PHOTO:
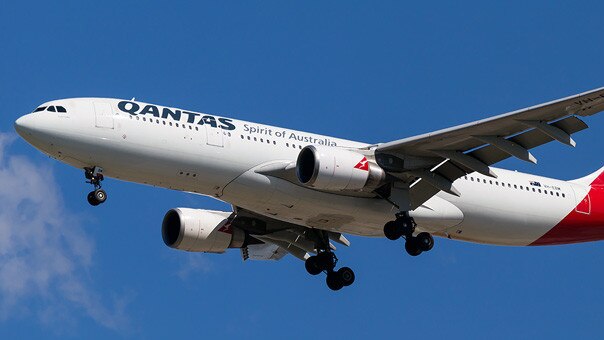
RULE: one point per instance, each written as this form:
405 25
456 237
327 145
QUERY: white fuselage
143 146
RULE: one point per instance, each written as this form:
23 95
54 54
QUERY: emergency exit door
103 115
214 135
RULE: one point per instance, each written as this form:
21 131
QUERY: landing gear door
215 136
103 115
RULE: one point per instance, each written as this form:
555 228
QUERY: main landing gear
325 261
94 176
404 226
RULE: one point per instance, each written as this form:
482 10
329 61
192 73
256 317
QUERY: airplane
299 193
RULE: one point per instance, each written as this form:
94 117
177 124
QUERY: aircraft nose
25 125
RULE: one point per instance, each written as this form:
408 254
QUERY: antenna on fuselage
133 99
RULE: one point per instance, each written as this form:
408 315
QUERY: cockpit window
51 109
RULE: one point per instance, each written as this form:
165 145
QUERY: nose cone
25 126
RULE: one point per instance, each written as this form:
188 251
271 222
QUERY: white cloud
45 255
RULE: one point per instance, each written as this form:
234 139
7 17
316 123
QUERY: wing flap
264 251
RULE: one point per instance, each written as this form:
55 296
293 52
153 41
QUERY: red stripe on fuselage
578 226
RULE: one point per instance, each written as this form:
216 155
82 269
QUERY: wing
277 238
431 162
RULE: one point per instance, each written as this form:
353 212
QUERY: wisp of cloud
45 254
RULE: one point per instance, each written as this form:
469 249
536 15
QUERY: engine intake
334 169
199 230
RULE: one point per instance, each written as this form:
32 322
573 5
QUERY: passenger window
61 109
515 186
52 109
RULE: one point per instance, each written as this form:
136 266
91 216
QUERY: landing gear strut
94 176
404 226
325 261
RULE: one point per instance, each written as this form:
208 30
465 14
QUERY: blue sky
367 71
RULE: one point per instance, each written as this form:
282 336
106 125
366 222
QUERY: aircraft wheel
100 195
393 230
346 276
412 246
334 281
425 241
92 199
312 265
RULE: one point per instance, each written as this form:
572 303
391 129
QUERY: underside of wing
278 238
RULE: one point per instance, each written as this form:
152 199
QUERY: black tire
325 260
91 199
412 246
334 282
425 241
392 230
100 195
346 276
312 266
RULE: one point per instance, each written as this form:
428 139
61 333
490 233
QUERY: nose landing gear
404 226
95 176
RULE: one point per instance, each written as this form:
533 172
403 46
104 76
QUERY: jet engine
199 230
334 169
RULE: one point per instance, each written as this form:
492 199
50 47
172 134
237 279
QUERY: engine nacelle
333 169
200 231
